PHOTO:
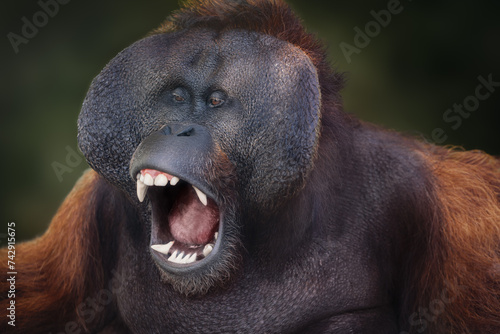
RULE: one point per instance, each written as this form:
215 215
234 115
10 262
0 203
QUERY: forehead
233 60
198 47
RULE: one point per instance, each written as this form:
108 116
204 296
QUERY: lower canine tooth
142 189
208 249
163 248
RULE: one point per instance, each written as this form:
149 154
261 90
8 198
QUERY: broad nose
178 130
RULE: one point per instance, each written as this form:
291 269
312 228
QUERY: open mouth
185 223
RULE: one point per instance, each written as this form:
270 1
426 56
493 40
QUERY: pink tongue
191 222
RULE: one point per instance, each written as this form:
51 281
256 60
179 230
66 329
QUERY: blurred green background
426 59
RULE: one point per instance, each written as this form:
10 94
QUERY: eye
177 97
216 99
214 102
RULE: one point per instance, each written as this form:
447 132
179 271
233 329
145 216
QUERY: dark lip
160 258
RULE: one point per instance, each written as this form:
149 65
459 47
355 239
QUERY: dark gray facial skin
295 252
271 95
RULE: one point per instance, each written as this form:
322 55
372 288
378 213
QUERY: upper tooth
138 176
163 248
148 180
142 178
208 249
174 180
161 180
201 195
141 190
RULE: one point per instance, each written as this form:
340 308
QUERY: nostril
186 132
167 130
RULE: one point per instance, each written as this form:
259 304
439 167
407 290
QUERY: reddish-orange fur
464 251
461 266
458 257
57 271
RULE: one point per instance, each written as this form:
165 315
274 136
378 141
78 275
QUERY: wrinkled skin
272 255
230 193
197 66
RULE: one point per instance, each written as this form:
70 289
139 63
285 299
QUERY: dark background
427 58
